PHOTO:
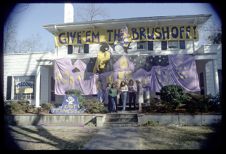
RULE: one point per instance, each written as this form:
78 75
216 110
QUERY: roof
110 23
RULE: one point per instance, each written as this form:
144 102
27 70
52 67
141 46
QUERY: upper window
141 45
145 45
69 49
182 44
172 44
164 45
150 45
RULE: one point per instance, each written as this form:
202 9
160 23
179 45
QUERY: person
140 97
100 91
123 90
107 99
113 98
132 89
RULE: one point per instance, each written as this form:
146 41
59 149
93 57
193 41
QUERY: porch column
37 87
216 79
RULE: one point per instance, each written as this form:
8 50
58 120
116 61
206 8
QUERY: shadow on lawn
42 132
214 140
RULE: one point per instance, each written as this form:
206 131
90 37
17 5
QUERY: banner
180 71
127 34
25 87
174 70
66 78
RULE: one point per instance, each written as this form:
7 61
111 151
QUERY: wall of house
26 65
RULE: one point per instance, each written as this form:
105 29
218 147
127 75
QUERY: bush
174 95
23 106
46 107
214 103
90 105
197 103
93 106
202 103
16 107
76 93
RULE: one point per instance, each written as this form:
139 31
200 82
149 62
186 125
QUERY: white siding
210 78
45 84
22 64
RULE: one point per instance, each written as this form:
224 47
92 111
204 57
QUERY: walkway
143 138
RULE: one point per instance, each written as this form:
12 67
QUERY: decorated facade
158 51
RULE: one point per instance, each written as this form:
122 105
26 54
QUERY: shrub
76 93
46 107
158 106
174 95
90 105
197 103
93 106
16 107
214 103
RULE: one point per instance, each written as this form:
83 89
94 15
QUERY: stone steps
121 120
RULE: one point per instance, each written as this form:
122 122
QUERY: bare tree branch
91 12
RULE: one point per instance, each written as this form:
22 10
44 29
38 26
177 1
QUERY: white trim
216 79
37 87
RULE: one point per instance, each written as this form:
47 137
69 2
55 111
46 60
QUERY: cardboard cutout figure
103 58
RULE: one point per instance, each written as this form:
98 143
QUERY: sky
29 18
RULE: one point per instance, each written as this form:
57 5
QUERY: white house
35 70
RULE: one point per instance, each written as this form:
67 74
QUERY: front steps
121 120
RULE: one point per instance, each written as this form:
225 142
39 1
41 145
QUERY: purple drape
180 71
66 78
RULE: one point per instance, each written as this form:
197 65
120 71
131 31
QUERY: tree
215 38
91 12
9 39
10 43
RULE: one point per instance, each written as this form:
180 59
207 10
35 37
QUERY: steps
121 120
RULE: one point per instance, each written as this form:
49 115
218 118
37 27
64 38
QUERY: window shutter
9 87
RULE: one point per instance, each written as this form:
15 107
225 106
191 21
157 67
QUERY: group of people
131 91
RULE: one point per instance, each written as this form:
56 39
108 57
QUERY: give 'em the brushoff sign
134 34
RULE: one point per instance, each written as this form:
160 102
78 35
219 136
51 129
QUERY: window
150 45
140 45
86 48
182 44
24 87
172 44
69 49
164 45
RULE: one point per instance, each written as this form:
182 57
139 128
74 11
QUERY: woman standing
113 98
123 90
140 97
132 94
107 99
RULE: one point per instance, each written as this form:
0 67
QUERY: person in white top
123 90
140 97
132 93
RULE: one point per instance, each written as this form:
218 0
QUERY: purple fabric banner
80 65
184 72
123 64
67 79
180 71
